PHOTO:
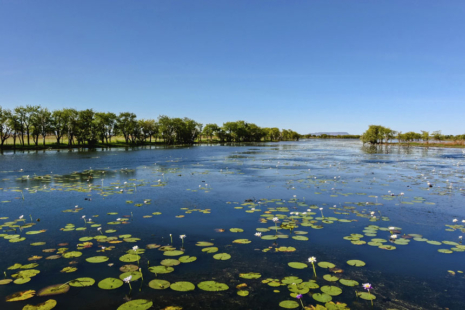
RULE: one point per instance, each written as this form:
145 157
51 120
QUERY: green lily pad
348 282
173 253
170 262
23 295
243 293
187 259
326 265
236 230
289 304
269 237
5 281
182 286
203 243
331 290
210 249
72 254
128 258
356 263
445 251
21 280
97 259
330 278
242 241
366 295
135 275
82 282
54 290
222 256
110 284
322 297
301 238
298 289
250 275
136 304
47 305
291 279
29 266
68 269
161 269
297 265
159 284
212 286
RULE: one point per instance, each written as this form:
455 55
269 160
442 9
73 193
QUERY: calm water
207 186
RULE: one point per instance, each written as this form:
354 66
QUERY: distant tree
210 130
5 125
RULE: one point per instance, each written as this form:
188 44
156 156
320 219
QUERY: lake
81 214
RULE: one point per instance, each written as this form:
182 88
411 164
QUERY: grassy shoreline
421 144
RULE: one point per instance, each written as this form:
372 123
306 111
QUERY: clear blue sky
304 65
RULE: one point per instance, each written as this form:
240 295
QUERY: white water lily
21 216
100 228
275 219
454 220
182 236
392 228
128 279
321 209
135 248
393 236
258 234
312 259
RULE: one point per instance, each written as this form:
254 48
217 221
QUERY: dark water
341 177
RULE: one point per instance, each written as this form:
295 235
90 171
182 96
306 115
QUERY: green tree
5 125
127 124
210 130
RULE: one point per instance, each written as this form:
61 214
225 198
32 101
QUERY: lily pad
82 282
182 286
326 265
321 297
128 258
135 275
210 249
23 295
159 284
250 275
136 304
243 293
297 265
128 268
54 290
242 241
110 284
49 304
347 282
161 269
366 295
356 263
187 259
236 230
173 253
97 259
330 278
203 243
170 262
289 304
222 256
331 290
212 286
72 254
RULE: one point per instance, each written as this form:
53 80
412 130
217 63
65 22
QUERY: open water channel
99 215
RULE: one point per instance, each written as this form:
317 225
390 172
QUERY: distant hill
330 133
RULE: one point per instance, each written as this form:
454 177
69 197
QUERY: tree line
377 134
32 124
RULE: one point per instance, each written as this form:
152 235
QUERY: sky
309 66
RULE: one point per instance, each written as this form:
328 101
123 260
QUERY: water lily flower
275 219
83 216
135 248
21 216
128 279
182 236
299 296
312 259
392 228
367 286
258 234
393 236
454 220
321 209
100 228
460 237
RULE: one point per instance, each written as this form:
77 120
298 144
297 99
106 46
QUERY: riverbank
422 144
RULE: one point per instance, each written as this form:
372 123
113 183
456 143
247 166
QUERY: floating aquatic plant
313 261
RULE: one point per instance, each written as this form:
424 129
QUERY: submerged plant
313 261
